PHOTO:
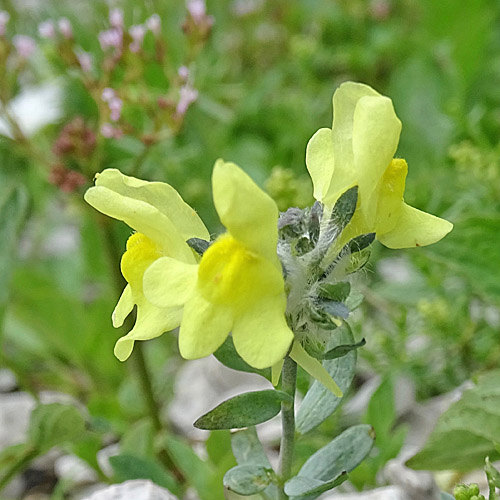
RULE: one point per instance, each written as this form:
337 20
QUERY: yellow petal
345 101
415 228
169 282
314 368
123 307
375 137
390 195
204 327
261 335
151 322
249 214
160 195
142 217
319 161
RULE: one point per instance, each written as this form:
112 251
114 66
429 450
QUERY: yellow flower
237 286
163 222
358 151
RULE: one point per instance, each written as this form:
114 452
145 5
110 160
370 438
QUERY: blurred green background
265 77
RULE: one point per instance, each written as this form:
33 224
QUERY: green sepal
344 209
359 243
244 410
342 350
358 260
199 245
305 488
248 479
333 308
335 291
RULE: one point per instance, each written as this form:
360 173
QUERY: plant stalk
288 385
29 455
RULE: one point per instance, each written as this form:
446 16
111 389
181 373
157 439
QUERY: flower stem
29 455
288 385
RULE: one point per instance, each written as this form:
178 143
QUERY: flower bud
154 24
188 95
25 45
65 28
137 33
85 61
4 20
46 29
116 18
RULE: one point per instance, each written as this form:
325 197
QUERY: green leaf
244 410
138 440
335 291
492 474
199 473
381 411
55 424
132 467
466 432
300 486
343 454
319 403
341 350
248 479
227 355
247 448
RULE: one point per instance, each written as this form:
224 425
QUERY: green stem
114 254
288 385
29 455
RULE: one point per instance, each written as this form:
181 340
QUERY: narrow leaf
248 479
128 467
247 448
244 410
228 356
466 432
319 403
341 350
302 486
55 424
343 454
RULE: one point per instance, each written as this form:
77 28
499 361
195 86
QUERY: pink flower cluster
47 29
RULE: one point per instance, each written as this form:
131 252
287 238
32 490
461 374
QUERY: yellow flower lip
232 275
